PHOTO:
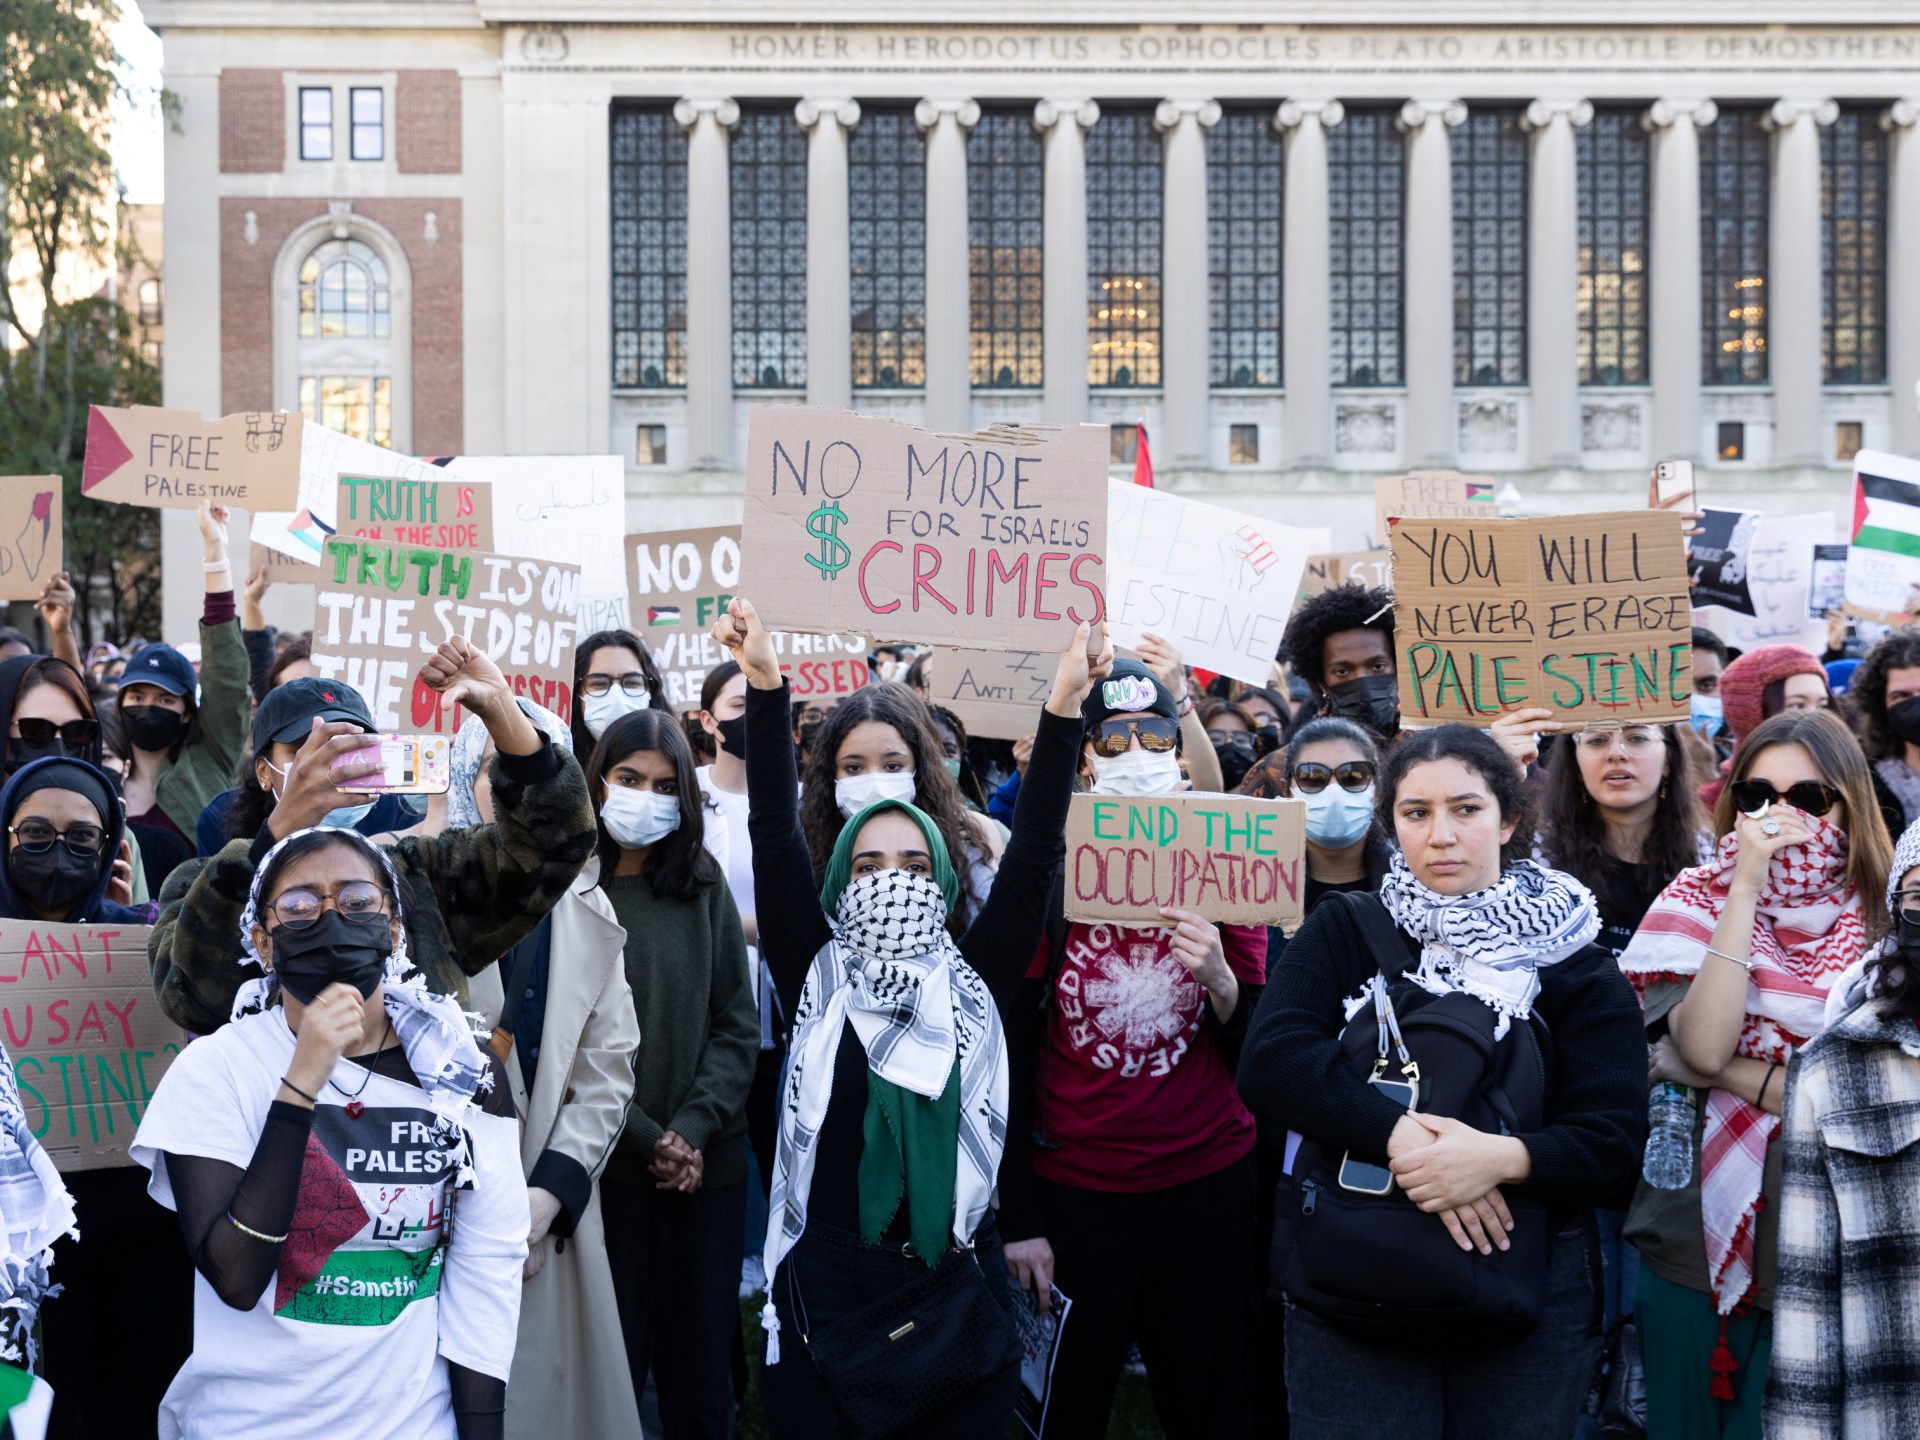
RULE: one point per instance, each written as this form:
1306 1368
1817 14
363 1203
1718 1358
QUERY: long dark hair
1480 753
678 866
1868 690
1573 833
583 660
885 703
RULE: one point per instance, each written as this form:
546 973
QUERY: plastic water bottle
1669 1162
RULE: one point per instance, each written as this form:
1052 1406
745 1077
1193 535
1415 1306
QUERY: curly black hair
1868 690
1351 606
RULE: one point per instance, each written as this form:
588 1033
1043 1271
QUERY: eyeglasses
357 900
1310 777
1113 737
1638 739
1808 795
1907 904
633 682
78 734
36 837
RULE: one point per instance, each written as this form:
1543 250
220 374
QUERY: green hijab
912 1144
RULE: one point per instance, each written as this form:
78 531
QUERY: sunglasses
1310 777
37 836
1808 795
78 734
1112 737
358 900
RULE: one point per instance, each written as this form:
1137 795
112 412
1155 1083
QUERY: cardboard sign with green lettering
1586 615
453 514
87 1038
1231 858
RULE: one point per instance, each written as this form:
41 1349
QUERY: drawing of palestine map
367 1232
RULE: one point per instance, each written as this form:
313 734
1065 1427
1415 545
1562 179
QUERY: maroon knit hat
1744 682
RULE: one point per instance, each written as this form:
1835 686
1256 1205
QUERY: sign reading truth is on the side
453 514
1230 858
174 459
88 1041
996 541
1587 615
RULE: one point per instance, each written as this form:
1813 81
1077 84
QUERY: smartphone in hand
411 765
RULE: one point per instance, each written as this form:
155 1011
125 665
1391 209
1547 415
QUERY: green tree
64 351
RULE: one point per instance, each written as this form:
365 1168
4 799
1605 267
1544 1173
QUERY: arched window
341 331
343 293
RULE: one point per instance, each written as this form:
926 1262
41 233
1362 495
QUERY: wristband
1760 1100
212 566
1743 964
1185 707
311 1099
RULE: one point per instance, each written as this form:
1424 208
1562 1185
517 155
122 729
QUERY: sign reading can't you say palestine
88 1041
996 540
1230 858
1587 615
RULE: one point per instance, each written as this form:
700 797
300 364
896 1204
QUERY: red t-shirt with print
1131 1086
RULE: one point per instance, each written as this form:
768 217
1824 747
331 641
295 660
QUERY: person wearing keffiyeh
894 1113
1733 964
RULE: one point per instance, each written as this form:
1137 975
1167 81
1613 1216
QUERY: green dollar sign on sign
824 525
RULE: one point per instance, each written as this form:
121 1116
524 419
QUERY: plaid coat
1846 1320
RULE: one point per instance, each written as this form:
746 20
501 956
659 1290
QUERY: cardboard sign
1588 615
1778 574
1432 495
1369 567
87 1037
998 694
1883 561
325 455
1826 580
1230 858
383 609
174 459
32 536
680 581
282 568
447 512
1718 556
993 541
819 667
1217 583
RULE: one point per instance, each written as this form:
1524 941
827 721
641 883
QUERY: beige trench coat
570 1378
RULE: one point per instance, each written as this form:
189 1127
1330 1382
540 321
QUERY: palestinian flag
663 615
1886 514
1480 491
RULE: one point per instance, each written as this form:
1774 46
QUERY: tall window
150 301
360 406
1853 215
1611 298
649 249
1006 194
1490 249
368 114
1366 191
1244 203
1736 161
1123 250
887 198
769 161
316 123
343 293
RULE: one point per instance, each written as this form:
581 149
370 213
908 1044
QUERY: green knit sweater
699 1028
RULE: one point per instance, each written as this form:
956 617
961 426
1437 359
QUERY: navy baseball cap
288 712
164 666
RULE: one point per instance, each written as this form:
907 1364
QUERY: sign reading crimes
1587 615
995 541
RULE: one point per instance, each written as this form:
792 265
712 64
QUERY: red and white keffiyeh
1808 929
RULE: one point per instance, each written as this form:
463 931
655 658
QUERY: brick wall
246 306
253 121
427 125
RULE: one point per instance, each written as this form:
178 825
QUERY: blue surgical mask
1706 714
346 817
1336 818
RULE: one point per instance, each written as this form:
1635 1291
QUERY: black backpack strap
1383 937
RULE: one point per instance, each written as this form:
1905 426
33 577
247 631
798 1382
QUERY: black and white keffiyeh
894 973
35 1210
1491 943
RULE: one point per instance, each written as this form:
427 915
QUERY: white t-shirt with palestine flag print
371 1297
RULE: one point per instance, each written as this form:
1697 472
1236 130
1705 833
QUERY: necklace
355 1106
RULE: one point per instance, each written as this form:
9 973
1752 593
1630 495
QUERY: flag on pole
1142 457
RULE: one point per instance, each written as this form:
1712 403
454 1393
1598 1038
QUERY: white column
829 255
1793 281
1553 281
1673 282
1902 122
1064 287
1306 309
709 281
949 282
1183 277
1427 305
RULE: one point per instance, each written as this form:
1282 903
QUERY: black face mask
1236 758
733 736
1372 701
25 752
1267 739
354 952
152 727
54 878
809 732
1903 721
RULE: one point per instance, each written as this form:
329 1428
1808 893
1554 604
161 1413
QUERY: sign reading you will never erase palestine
1587 615
865 526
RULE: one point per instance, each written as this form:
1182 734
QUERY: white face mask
639 818
1136 772
853 793
600 711
1336 818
